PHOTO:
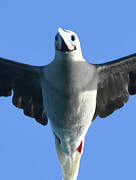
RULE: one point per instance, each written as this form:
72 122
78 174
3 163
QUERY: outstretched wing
116 81
25 82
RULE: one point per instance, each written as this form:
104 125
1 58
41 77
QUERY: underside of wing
117 80
25 83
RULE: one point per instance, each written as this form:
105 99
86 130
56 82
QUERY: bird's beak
66 44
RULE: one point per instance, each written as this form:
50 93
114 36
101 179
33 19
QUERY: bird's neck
66 73
70 56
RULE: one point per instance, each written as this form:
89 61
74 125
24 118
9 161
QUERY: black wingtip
42 121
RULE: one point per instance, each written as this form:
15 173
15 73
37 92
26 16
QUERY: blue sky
107 30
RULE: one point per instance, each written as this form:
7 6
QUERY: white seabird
70 92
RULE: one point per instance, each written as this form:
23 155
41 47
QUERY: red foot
79 149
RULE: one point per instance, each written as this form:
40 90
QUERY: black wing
25 81
116 81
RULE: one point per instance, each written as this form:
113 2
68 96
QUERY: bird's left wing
116 81
25 81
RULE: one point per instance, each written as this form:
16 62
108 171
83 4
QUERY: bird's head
67 43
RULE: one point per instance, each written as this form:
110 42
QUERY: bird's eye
73 38
56 38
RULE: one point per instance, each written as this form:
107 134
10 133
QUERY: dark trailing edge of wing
24 80
116 81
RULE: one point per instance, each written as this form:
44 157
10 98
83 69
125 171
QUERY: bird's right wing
116 81
25 82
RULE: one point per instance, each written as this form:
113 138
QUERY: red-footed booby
70 92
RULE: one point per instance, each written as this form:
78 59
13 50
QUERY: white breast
70 99
76 119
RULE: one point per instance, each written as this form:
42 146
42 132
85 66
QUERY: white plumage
70 92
